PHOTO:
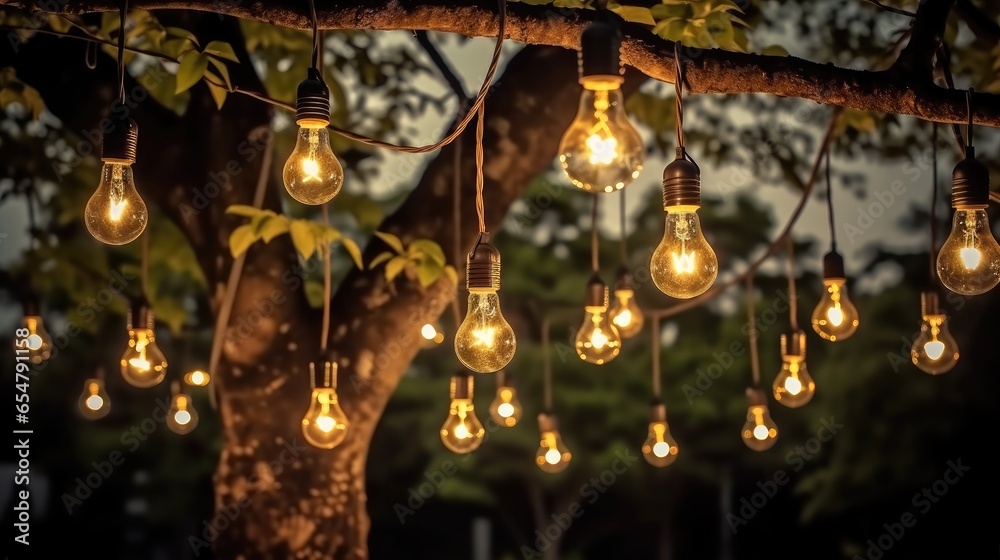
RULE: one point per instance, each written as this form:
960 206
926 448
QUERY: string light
115 213
197 378
484 342
430 335
597 339
934 351
552 455
182 418
601 151
506 407
94 403
835 317
759 432
683 265
625 313
969 261
143 364
793 386
660 448
324 424
462 432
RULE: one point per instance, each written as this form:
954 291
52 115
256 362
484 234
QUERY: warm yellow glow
683 265
835 318
793 385
484 341
94 402
623 318
597 341
601 151
506 407
552 455
182 417
506 410
428 331
759 432
143 364
660 449
197 378
116 214
934 349
969 261
324 424
625 313
38 340
312 174
462 432
970 257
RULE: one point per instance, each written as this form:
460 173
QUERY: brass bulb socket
31 305
793 345
930 303
547 422
970 183
312 103
483 267
461 385
681 182
658 412
323 376
597 292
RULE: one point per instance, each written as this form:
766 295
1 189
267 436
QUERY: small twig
442 65
898 11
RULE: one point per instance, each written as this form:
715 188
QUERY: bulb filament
309 165
118 202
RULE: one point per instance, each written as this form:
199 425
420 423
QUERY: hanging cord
315 29
456 219
752 326
793 307
595 263
144 265
623 241
829 205
655 325
547 363
327 287
29 199
678 92
480 208
934 202
968 108
121 51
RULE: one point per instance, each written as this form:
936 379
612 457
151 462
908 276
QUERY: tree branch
917 58
710 70
897 11
979 23
442 65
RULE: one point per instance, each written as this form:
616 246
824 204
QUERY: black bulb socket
482 267
119 143
970 183
600 56
833 266
312 105
681 182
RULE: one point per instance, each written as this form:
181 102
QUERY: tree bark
707 70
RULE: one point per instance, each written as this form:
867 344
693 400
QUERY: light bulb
660 449
182 418
143 365
462 432
759 432
197 378
624 311
37 342
597 340
484 341
969 260
312 174
601 151
116 214
430 336
835 317
506 407
793 386
683 265
552 455
324 424
934 351
94 402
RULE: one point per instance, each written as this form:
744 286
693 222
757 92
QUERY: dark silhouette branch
442 65
710 70
979 23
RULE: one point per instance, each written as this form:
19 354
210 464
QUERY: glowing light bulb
312 174
116 214
197 378
624 311
601 151
324 424
484 341
552 455
430 336
597 340
94 403
835 317
969 260
182 418
660 449
934 350
462 432
759 432
793 386
506 407
143 365
36 340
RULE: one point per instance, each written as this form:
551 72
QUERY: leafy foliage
308 236
422 260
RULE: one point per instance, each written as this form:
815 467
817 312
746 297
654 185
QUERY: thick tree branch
917 58
710 70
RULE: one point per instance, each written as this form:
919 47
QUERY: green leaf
221 49
353 250
392 241
244 210
774 50
190 71
218 94
635 14
241 239
260 220
223 71
394 267
303 237
180 33
273 228
430 249
379 259
428 272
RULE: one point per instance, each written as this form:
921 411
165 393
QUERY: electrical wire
829 205
480 207
678 94
595 263
623 240
968 108
752 326
655 326
121 51
315 30
547 365
327 287
793 307
144 264
932 253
